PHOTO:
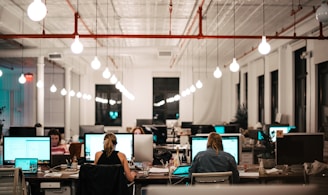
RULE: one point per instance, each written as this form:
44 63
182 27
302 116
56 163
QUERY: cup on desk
145 168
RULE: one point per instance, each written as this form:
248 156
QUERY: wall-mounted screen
93 142
26 147
298 148
231 144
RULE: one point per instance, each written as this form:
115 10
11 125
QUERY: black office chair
103 179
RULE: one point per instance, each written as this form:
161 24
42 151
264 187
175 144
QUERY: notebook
28 165
182 171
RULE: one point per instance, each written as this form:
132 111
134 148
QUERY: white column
68 103
40 96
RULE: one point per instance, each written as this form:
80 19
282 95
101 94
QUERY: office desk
35 181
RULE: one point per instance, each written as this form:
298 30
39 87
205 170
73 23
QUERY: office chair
103 179
212 178
12 181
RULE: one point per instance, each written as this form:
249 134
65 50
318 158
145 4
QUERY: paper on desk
158 170
74 175
248 174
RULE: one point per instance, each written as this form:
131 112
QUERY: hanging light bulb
106 74
22 79
322 12
234 66
217 73
95 64
199 84
1 73
78 94
63 92
192 88
264 47
72 93
39 84
113 79
77 46
53 88
37 10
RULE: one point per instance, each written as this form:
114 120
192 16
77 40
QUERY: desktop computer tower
64 190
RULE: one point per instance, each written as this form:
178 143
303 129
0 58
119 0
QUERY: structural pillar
68 103
40 96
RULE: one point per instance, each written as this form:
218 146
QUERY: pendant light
217 73
77 46
22 78
53 87
234 66
37 10
199 83
264 47
95 64
106 74
322 12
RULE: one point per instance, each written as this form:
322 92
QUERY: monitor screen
273 131
143 148
219 129
93 142
231 144
298 148
22 131
198 129
159 134
90 129
27 147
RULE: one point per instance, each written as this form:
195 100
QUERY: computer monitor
22 131
231 144
219 129
27 147
141 122
298 148
186 124
143 148
90 129
159 134
197 129
93 142
274 129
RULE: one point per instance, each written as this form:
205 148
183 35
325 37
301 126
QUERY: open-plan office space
71 63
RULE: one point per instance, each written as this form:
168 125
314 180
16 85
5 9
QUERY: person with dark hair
56 146
109 156
214 159
138 130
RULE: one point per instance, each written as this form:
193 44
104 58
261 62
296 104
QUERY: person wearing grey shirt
214 159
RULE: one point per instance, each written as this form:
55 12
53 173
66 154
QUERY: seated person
214 159
138 130
56 146
110 156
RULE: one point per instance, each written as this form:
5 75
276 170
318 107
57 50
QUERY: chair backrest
102 179
212 178
12 181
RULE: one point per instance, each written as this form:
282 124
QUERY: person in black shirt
110 156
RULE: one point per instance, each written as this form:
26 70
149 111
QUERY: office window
274 95
322 119
164 88
108 105
261 99
300 90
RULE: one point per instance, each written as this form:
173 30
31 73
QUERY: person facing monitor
56 146
138 130
109 156
214 159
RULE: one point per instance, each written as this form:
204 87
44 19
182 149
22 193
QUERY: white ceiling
131 30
